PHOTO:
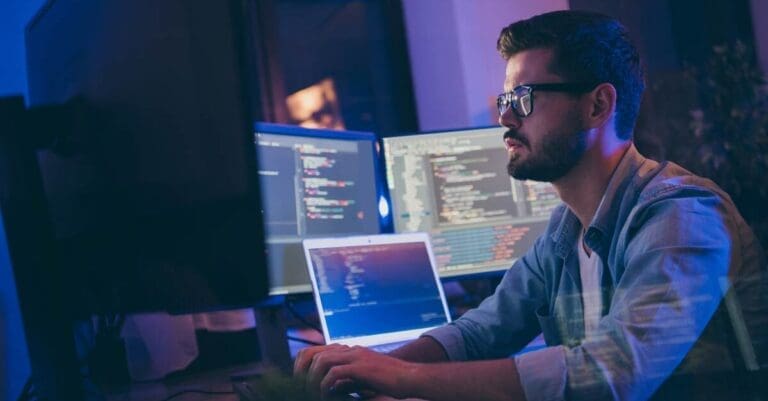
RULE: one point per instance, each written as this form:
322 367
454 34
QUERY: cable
304 340
182 392
289 306
27 392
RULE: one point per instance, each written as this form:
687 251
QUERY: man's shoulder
682 202
672 181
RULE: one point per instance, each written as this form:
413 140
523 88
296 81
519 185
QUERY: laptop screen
376 289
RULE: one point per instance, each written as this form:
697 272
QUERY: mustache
514 135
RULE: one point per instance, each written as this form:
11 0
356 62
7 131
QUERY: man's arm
423 349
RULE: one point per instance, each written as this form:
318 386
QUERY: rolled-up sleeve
450 338
543 374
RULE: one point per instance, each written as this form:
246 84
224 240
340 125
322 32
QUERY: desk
210 381
216 381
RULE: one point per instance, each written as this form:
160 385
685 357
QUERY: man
628 282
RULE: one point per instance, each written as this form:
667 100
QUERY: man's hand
338 368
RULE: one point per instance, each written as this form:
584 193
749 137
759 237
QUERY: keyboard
385 348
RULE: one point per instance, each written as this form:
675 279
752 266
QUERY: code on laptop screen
373 289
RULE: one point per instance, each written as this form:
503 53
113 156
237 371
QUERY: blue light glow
383 207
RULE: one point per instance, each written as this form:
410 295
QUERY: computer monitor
153 196
454 185
316 183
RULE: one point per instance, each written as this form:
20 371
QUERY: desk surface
218 381
213 385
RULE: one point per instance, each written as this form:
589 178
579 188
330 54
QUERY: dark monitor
316 183
454 185
154 197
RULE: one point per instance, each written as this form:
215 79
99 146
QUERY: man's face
548 143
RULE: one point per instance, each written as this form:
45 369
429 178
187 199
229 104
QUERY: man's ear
601 105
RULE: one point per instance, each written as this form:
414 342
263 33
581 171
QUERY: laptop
378 291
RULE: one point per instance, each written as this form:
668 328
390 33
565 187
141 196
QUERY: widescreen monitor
454 185
153 196
315 183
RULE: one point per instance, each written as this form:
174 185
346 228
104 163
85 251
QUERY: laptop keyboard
385 348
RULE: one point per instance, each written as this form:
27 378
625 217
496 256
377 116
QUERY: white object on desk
234 320
157 344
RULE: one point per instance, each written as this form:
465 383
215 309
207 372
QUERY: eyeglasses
520 99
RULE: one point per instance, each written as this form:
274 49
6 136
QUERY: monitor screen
316 183
454 185
153 196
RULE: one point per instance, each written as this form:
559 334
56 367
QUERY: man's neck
583 187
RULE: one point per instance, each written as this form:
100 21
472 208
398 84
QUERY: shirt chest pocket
560 328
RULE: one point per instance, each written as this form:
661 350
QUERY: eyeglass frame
567 87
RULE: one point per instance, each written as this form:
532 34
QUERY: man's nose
509 119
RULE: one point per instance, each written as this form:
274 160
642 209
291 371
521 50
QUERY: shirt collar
603 224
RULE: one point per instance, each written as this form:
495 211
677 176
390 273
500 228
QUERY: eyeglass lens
520 100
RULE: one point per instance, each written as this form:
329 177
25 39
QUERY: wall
14 15
759 16
650 27
456 70
14 363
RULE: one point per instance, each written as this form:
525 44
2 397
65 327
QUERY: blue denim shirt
671 244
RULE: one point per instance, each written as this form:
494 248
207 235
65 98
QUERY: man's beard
558 153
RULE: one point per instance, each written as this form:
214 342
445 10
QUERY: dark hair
588 47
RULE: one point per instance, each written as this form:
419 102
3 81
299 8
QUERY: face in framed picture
316 106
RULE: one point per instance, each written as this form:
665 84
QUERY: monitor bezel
382 193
